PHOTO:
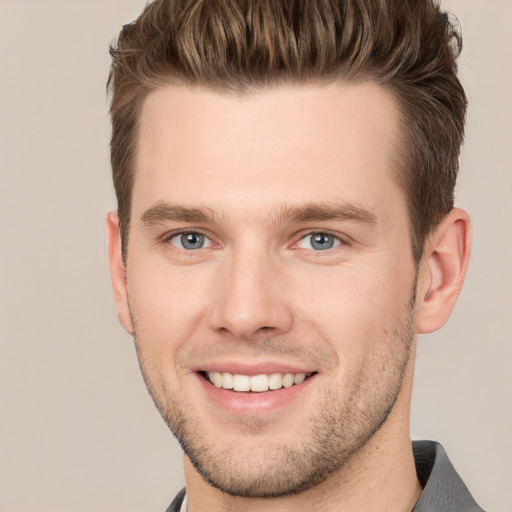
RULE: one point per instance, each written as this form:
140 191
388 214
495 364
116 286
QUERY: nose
252 300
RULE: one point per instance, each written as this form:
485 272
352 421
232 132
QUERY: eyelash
169 236
339 240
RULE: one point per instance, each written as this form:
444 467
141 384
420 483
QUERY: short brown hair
407 46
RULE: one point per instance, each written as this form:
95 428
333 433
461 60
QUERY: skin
257 175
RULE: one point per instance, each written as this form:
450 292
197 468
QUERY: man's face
269 244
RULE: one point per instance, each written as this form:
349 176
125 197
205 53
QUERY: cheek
166 306
355 309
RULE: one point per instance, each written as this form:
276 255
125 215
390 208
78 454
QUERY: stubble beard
331 435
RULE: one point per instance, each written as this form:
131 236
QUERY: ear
118 271
442 271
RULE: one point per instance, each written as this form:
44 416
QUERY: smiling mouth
255 383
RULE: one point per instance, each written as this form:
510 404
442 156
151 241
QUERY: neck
380 476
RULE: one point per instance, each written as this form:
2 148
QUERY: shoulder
175 506
443 489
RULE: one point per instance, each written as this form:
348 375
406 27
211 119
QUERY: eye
190 241
319 241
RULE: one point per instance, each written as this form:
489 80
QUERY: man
285 228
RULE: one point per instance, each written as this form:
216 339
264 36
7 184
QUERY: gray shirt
443 489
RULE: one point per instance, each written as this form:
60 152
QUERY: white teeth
259 383
217 379
227 380
275 381
300 377
256 383
288 380
241 383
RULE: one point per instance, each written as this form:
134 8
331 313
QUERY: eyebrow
326 212
165 212
310 212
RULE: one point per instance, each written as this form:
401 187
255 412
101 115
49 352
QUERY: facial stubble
330 436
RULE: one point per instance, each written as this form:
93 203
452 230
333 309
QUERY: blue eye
319 241
191 241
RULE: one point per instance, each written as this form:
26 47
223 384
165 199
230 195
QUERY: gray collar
443 489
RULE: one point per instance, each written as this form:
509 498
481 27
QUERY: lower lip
250 403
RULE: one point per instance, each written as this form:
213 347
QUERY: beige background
77 429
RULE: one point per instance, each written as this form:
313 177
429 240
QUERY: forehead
290 144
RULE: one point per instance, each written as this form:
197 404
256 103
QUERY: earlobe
117 271
442 271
